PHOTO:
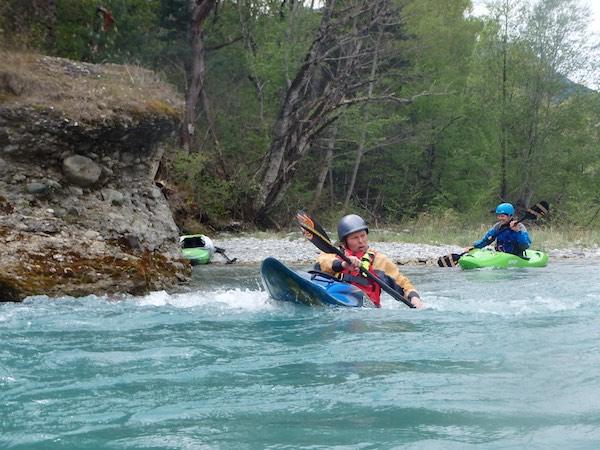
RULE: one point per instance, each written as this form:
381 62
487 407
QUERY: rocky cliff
80 213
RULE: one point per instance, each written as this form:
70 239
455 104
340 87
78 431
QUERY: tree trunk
291 134
331 76
188 135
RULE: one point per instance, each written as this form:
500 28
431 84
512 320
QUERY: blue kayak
311 288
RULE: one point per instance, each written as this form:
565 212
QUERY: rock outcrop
80 213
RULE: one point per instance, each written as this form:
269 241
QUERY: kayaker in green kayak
353 235
510 235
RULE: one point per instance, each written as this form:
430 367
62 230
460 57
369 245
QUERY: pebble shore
251 250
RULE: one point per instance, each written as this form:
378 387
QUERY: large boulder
80 145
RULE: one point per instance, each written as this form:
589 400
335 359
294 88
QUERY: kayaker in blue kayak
353 235
510 235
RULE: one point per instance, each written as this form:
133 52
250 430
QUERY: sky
594 6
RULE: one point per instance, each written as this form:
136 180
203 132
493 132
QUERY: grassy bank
544 237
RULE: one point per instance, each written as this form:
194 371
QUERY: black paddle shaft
221 251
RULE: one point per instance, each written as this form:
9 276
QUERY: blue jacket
507 240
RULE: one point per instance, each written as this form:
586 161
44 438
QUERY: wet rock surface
79 210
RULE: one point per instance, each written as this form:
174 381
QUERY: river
498 359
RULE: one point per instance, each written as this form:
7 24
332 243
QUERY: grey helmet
350 224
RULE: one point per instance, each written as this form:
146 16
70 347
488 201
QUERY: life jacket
506 241
369 287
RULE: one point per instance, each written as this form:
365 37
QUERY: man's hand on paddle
355 263
417 302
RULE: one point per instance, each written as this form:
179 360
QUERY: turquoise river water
500 359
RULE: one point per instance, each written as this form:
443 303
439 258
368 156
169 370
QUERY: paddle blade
221 251
314 225
538 210
448 260
306 224
312 233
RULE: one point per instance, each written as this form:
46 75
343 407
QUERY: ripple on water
498 359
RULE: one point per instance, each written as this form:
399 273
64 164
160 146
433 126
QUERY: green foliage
77 29
216 196
186 167
80 33
430 160
23 25
192 171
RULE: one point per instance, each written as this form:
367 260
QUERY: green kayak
480 258
199 249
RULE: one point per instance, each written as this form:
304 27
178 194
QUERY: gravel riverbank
252 250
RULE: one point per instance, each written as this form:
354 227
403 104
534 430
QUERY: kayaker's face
504 218
358 242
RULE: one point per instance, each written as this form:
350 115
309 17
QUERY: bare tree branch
336 67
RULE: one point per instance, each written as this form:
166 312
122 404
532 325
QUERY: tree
195 92
536 48
334 72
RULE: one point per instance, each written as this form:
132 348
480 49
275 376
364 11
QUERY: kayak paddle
317 235
535 212
221 251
